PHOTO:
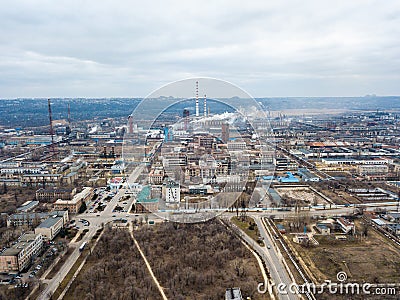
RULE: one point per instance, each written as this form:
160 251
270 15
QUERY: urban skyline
185 150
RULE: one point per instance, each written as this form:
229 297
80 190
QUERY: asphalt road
95 223
273 261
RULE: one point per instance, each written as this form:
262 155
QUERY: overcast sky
129 48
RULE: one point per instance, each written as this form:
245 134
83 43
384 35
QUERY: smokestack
197 98
130 125
52 146
225 132
185 115
112 154
205 105
69 114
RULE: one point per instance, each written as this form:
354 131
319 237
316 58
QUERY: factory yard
356 256
305 195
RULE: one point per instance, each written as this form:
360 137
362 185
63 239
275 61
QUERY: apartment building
74 205
49 195
21 254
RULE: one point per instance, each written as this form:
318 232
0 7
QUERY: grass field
248 228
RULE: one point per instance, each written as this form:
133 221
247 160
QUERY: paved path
147 264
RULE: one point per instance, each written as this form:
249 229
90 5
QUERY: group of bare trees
199 261
115 270
193 261
7 293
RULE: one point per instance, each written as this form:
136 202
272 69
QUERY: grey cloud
127 48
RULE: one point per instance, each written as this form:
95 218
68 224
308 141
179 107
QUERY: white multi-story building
172 192
236 146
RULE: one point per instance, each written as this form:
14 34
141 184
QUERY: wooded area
199 261
114 270
190 261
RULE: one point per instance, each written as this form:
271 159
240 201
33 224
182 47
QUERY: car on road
114 216
97 215
268 246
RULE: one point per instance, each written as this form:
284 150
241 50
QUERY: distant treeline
34 112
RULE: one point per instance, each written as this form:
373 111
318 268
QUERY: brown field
305 195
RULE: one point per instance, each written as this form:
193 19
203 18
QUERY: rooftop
27 206
50 221
394 226
23 216
23 241
54 190
233 294
144 196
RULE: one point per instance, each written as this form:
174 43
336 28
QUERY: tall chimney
197 98
205 105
